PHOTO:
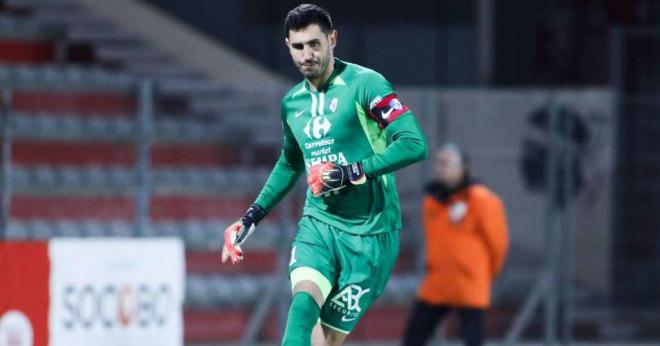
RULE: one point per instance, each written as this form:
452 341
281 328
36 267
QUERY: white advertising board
116 292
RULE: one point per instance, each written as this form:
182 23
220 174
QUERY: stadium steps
108 180
123 207
97 102
108 45
56 76
202 237
156 68
118 126
54 152
118 53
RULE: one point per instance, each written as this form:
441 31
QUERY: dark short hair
305 14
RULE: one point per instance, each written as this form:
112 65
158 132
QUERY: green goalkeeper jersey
355 116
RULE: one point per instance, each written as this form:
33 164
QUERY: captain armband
385 110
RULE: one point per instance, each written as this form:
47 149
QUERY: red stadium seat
55 153
57 207
261 261
226 325
195 154
72 153
122 208
26 51
75 101
214 325
184 207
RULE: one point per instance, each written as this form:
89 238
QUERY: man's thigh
312 257
364 267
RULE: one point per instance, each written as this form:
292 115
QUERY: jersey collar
339 68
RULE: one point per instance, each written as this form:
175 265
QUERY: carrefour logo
317 127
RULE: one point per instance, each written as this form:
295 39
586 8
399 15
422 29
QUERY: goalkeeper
347 129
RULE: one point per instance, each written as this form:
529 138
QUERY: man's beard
316 71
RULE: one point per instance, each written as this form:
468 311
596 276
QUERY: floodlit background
159 118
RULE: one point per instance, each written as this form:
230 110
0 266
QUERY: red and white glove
328 176
239 231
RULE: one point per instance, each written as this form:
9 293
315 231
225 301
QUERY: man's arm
281 180
493 225
285 174
405 141
406 146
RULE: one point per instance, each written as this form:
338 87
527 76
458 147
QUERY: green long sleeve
284 175
406 145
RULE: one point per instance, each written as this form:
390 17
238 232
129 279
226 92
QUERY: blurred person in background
466 244
345 127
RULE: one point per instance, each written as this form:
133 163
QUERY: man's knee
310 288
333 337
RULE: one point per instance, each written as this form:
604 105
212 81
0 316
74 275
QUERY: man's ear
333 38
286 41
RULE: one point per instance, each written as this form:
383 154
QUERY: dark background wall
418 42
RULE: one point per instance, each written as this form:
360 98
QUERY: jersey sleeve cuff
368 169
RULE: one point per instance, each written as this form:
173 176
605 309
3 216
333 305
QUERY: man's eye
297 46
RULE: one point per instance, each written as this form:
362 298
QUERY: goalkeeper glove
239 231
329 176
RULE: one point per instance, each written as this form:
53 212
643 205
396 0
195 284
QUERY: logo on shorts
347 302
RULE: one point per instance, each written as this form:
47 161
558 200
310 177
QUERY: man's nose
307 53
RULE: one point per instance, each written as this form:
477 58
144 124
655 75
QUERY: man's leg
332 337
472 324
422 322
304 314
311 270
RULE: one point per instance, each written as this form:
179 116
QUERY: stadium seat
17 230
44 176
20 177
40 229
99 102
35 50
68 228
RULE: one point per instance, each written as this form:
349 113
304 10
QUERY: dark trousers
425 317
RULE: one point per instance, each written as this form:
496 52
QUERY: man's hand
239 231
328 176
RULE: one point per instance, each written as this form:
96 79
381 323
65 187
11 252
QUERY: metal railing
5 182
553 289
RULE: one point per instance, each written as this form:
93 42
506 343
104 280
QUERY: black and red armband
385 110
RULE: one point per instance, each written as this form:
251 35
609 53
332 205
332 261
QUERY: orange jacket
463 256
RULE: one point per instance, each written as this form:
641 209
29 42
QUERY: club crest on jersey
317 127
333 104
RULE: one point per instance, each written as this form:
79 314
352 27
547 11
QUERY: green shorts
351 270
